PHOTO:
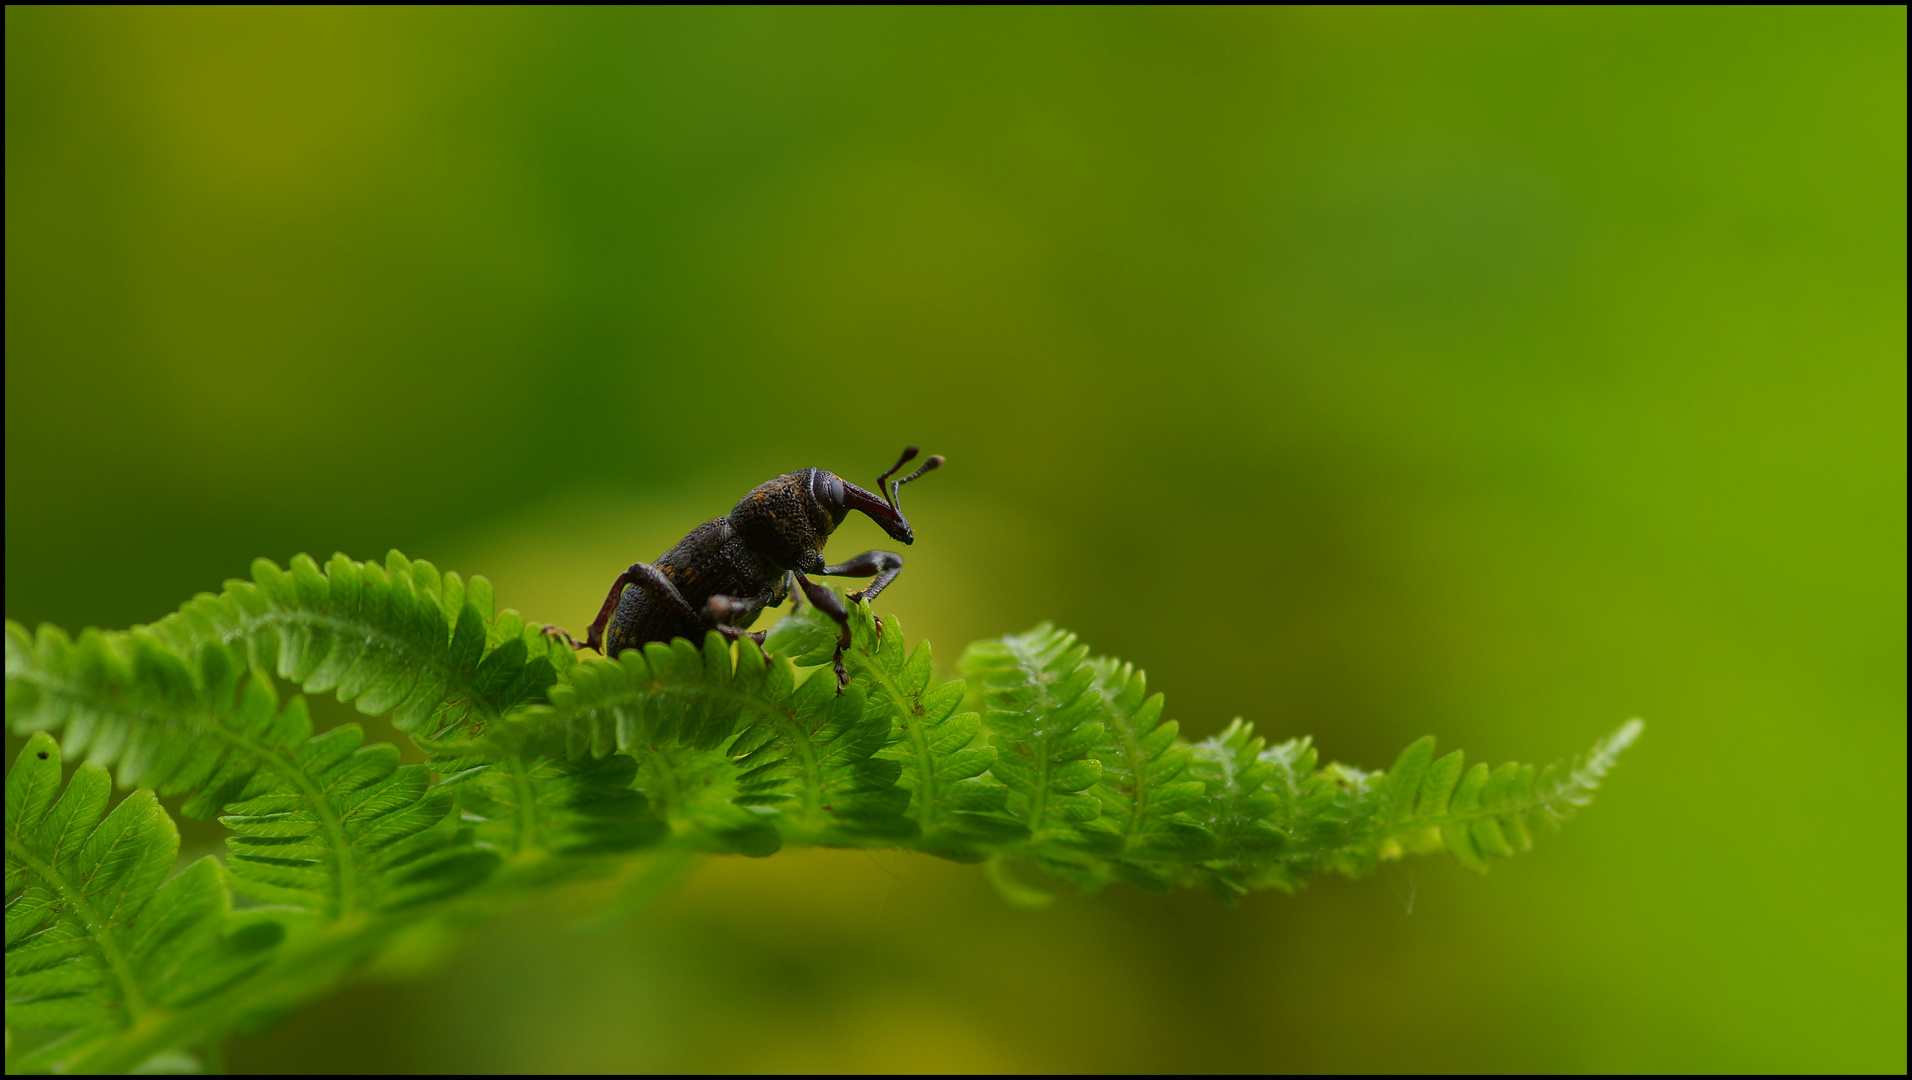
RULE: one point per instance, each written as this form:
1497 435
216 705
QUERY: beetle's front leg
828 602
882 565
885 565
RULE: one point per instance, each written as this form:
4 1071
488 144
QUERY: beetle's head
837 496
790 518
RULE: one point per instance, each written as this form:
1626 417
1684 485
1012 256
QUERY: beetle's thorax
782 521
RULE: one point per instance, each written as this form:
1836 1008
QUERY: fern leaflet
319 822
1478 812
944 765
1146 789
1043 713
523 808
96 935
399 638
802 754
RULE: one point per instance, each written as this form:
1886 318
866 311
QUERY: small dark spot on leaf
43 755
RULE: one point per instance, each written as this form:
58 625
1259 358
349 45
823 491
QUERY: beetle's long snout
886 510
879 511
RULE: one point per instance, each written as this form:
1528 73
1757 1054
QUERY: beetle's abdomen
711 560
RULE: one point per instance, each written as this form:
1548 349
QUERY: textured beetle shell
783 520
775 528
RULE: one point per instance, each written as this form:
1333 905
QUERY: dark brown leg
658 588
594 636
882 565
728 615
558 633
644 576
828 602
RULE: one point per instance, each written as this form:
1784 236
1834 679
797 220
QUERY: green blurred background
1367 373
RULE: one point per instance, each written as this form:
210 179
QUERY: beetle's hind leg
655 585
594 637
559 633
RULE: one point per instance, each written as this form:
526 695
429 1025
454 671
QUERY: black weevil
729 569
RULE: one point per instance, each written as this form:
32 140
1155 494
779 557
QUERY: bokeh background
1497 374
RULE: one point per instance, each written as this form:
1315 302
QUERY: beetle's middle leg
728 615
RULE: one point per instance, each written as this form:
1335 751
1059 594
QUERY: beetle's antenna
934 460
895 485
889 490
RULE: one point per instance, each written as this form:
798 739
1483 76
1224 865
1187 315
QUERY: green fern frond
578 807
356 831
1147 791
399 638
808 637
566 768
124 700
1239 808
796 761
812 759
675 694
1561 790
1326 819
319 822
699 793
1477 812
1044 716
96 935
674 709
944 766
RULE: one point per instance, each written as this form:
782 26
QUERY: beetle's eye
828 491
